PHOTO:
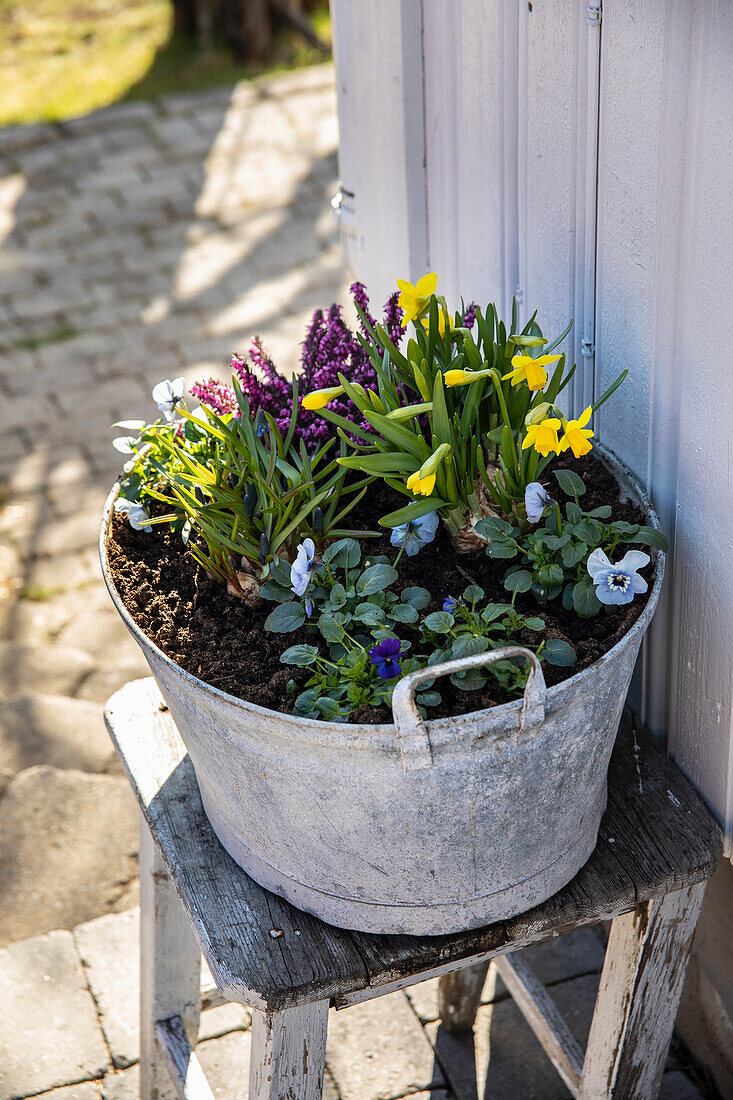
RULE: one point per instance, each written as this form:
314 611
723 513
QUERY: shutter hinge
595 11
587 348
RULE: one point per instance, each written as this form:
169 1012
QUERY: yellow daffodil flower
577 436
529 370
320 398
421 486
463 377
422 482
542 436
425 322
413 300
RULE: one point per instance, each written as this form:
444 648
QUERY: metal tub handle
411 730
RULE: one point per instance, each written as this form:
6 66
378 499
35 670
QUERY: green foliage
474 627
552 558
236 490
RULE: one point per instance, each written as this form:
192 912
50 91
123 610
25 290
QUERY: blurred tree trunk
248 24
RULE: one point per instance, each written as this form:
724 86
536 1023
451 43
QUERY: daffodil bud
376 401
538 413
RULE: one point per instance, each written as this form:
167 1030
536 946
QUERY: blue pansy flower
415 534
385 657
536 499
300 570
137 516
619 583
450 604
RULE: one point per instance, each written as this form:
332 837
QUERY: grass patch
61 58
30 343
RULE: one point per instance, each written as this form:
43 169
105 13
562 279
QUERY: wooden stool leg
641 984
170 967
459 995
288 1053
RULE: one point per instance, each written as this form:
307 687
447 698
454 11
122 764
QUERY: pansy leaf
493 611
376 578
369 614
573 554
602 512
493 528
271 590
585 602
534 623
419 598
574 512
337 597
331 630
649 536
328 708
473 594
549 575
285 618
521 581
560 653
440 622
429 698
403 613
299 655
345 553
570 483
507 548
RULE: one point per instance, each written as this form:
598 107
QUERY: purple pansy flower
450 603
300 570
536 499
385 657
415 534
616 584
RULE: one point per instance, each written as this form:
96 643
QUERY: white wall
589 164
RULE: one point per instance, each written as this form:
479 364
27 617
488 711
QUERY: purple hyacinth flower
450 604
385 657
617 584
536 499
300 570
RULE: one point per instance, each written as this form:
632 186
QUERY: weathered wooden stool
657 847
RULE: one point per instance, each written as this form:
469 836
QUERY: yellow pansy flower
421 486
577 436
463 377
413 300
529 370
320 398
542 436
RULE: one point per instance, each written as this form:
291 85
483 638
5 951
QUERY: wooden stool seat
657 847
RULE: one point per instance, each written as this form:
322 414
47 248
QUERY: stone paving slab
68 850
56 730
555 960
49 1034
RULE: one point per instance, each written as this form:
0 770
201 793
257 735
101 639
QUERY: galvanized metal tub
417 827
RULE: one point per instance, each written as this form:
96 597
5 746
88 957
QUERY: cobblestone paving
138 243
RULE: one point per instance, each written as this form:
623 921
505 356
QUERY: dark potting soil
213 635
